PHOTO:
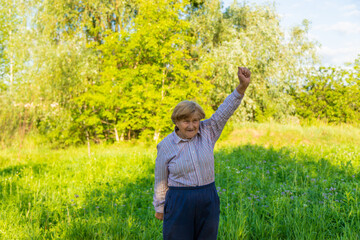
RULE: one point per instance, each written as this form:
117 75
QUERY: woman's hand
244 79
159 216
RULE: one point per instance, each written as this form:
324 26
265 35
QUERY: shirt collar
178 139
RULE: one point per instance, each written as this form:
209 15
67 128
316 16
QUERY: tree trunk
11 63
116 135
88 142
156 136
122 136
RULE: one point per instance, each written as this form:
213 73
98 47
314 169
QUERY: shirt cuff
237 94
159 209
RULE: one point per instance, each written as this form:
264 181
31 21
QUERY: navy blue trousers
191 213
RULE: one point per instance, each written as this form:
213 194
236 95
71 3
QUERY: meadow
274 182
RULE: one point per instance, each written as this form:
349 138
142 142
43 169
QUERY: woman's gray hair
186 109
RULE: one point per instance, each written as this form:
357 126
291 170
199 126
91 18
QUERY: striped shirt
190 162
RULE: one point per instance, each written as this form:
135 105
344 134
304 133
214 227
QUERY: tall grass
274 182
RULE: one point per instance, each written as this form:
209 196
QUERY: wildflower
53 105
76 196
282 193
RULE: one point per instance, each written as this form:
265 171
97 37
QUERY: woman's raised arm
218 120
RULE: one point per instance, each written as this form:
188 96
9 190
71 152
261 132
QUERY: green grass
274 182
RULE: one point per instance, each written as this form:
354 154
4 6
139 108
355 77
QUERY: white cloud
349 7
351 10
339 56
343 27
353 13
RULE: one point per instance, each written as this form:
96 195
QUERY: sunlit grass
274 182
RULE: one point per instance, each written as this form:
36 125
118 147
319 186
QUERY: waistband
193 188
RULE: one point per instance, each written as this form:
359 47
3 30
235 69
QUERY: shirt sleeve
161 179
218 120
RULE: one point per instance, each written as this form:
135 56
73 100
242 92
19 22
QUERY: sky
334 24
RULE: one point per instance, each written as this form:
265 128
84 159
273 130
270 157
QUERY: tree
249 36
146 71
331 94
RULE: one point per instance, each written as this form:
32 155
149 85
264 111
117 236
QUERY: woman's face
188 127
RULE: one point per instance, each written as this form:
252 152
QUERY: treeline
80 71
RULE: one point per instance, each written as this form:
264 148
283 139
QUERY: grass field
274 182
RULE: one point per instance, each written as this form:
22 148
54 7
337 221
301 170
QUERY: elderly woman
185 194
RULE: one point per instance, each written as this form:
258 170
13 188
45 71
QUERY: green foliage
82 71
145 72
330 94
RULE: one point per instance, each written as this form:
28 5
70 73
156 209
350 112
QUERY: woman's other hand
159 216
244 79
